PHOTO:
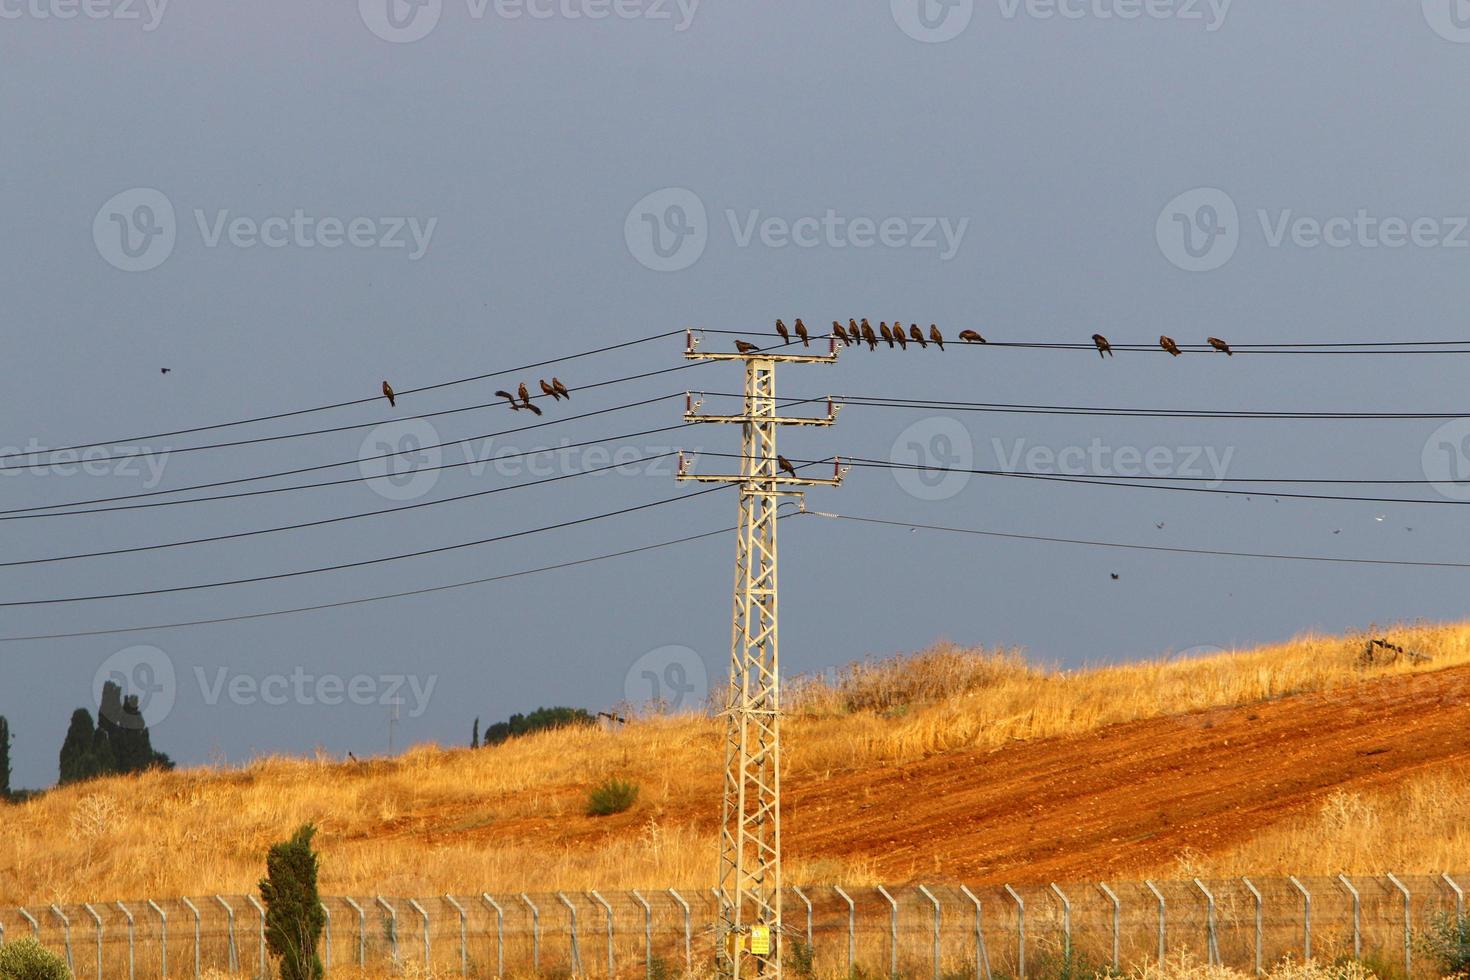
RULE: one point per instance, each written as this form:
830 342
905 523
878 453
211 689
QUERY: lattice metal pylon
750 835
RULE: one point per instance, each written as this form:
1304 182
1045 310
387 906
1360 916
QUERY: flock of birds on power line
519 402
863 333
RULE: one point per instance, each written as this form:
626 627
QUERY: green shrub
27 959
1447 940
611 796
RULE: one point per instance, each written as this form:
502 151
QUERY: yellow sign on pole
760 940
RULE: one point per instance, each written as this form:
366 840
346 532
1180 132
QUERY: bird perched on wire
546 389
839 333
898 336
785 334
1104 349
1221 346
1168 344
917 335
502 393
887 334
785 464
869 336
525 394
971 337
936 336
853 331
801 332
746 347
561 388
388 394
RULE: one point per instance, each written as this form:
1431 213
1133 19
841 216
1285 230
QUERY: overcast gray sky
477 188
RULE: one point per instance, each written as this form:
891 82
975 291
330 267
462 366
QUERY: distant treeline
538 720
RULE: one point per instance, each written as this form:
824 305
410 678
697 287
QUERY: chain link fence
989 933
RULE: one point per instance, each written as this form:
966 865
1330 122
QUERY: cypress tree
293 916
474 739
79 750
4 758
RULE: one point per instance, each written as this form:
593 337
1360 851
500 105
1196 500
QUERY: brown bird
524 394
853 331
510 398
903 342
971 337
746 347
548 390
801 332
1221 346
1103 347
936 336
887 334
561 388
388 394
1168 344
785 334
918 335
869 335
839 333
785 464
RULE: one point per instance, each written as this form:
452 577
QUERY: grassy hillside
512 817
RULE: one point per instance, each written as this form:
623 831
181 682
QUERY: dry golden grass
510 817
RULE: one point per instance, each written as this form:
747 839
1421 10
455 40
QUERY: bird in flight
164 370
839 333
1168 344
1115 576
869 336
388 394
746 347
918 335
1104 349
887 334
785 464
1221 346
971 337
785 334
502 393
561 388
546 389
936 336
801 332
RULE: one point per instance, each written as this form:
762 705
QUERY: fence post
131 960
688 940
892 933
1066 925
937 914
66 936
230 914
1408 925
1357 917
647 935
1117 915
260 952
162 939
982 958
609 910
361 932
413 904
851 927
97 924
195 909
1459 907
1306 917
464 953
35 926
392 927
1212 948
1162 922
499 933
1020 933
808 902
535 933
1257 896
576 949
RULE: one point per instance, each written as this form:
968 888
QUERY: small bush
611 796
27 959
1447 940
294 916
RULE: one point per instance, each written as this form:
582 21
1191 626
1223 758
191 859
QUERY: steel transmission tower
750 835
